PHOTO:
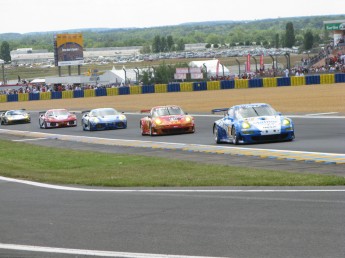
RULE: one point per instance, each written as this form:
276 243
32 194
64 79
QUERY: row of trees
270 32
5 51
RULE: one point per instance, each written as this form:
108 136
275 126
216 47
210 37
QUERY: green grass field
63 166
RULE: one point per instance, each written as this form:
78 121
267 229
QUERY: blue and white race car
252 123
103 119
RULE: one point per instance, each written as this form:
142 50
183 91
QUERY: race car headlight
245 125
286 122
188 119
95 120
158 121
122 117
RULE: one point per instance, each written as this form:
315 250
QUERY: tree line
303 32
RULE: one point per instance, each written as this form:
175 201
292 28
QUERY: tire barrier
112 91
34 96
241 84
312 79
224 85
45 95
23 97
160 88
100 92
340 77
283 81
67 94
174 87
327 78
255 83
124 90
269 82
134 90
77 94
12 98
57 95
145 89
89 93
186 86
297 80
213 85
180 87
199 86
3 98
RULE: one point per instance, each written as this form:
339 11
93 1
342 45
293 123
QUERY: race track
319 138
39 220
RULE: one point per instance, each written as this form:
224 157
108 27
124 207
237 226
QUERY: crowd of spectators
334 61
37 88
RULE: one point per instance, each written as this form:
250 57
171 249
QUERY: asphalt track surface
39 221
316 136
170 223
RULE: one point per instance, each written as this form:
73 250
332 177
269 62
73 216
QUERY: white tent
113 76
214 67
38 80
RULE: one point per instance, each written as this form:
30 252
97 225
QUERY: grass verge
63 166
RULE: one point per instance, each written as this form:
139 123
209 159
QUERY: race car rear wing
145 111
217 110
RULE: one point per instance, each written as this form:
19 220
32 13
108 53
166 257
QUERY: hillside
220 32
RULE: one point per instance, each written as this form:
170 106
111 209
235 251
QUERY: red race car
57 118
166 120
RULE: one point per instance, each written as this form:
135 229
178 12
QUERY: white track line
56 250
34 139
185 190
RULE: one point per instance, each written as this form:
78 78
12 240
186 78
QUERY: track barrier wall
181 87
269 82
340 77
145 89
174 87
161 88
23 97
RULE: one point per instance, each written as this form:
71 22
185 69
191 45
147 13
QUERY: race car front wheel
215 134
234 135
141 129
43 124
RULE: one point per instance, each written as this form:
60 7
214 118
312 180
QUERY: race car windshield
60 113
253 111
105 112
168 111
15 112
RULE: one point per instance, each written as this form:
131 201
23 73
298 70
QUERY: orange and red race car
166 120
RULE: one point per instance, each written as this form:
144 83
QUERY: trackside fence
181 87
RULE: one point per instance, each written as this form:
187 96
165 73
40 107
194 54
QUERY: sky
22 16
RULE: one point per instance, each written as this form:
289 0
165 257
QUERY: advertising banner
180 76
262 62
182 70
68 49
335 26
248 63
196 76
